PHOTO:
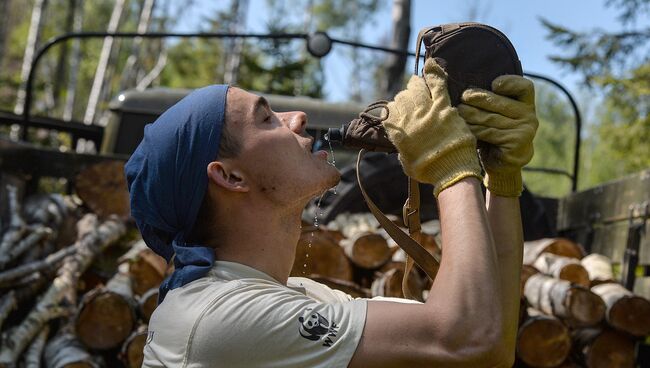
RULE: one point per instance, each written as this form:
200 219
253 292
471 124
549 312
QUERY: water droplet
333 163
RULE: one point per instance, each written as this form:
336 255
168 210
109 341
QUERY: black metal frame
85 131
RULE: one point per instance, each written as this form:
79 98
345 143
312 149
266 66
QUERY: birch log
17 225
34 354
604 348
625 311
347 287
9 276
367 250
542 340
599 268
563 268
132 353
65 351
148 303
147 271
559 246
576 305
93 239
526 272
106 315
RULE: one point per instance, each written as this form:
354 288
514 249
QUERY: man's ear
227 177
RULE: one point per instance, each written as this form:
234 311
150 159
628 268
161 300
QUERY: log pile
576 315
355 255
51 314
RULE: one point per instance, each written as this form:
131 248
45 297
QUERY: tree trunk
318 254
395 65
129 72
71 88
239 10
599 268
62 63
625 311
576 305
93 238
542 340
604 348
563 268
559 246
100 73
106 315
35 26
367 250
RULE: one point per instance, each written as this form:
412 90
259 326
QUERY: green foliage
618 64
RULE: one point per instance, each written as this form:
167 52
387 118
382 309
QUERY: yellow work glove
434 143
506 120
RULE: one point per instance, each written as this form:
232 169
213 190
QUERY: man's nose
297 121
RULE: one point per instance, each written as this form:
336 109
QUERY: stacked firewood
74 281
574 313
355 255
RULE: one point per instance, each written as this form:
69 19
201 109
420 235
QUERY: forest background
76 80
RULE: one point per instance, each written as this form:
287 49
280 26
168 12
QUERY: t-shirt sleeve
273 326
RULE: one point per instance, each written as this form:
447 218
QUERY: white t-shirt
237 316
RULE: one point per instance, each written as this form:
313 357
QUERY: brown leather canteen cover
472 54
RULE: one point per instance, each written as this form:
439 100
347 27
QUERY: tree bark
35 26
65 351
599 268
542 340
563 268
93 238
34 354
576 305
558 246
17 224
625 311
7 277
104 57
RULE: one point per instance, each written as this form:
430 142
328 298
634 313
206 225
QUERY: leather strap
411 218
427 262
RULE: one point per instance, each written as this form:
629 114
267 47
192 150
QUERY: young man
220 176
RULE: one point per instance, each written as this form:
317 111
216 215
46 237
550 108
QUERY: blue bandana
167 178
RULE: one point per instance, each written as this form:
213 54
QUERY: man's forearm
468 275
505 221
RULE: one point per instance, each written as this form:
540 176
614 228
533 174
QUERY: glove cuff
504 184
458 162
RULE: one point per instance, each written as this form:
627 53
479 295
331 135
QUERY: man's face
276 156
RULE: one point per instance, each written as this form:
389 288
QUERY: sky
518 19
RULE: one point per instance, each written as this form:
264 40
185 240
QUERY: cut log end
132 351
317 253
610 350
575 274
543 341
389 284
105 320
632 315
368 250
584 307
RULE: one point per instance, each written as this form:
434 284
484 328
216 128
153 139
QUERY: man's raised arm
461 323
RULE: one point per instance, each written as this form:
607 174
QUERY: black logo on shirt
315 327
